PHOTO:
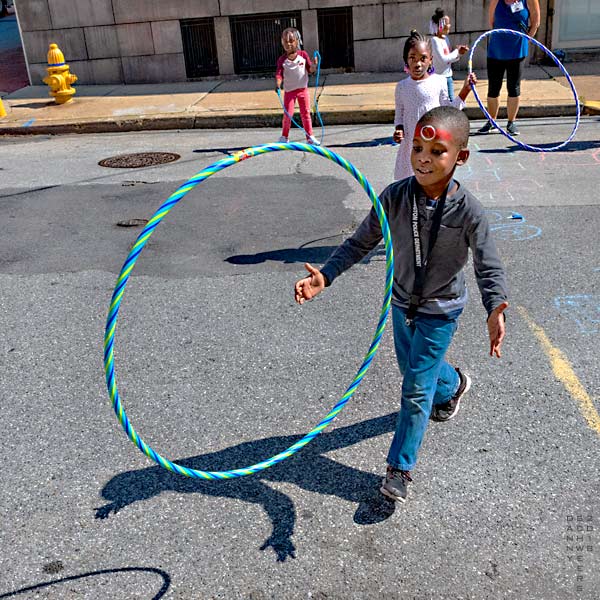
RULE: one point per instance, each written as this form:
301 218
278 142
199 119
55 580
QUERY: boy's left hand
497 329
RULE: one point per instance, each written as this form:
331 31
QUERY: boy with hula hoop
434 221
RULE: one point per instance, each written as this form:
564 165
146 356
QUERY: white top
295 72
442 57
413 99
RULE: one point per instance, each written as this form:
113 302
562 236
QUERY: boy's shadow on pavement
302 254
314 254
309 469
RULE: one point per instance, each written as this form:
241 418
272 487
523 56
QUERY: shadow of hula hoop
35 588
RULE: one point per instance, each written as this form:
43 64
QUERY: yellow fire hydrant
59 79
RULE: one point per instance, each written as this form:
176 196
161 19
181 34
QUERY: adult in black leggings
507 53
4 11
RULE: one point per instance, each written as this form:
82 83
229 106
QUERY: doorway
576 24
336 38
199 47
13 67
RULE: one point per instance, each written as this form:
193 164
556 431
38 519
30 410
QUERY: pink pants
289 101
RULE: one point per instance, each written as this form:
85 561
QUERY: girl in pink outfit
292 72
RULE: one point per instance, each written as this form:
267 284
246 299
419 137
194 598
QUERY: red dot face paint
429 133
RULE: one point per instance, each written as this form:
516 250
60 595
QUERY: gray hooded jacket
463 226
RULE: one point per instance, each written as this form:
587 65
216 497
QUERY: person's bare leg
493 104
492 107
512 107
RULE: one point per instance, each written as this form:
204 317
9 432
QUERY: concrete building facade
151 41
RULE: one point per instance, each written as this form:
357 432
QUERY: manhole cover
140 159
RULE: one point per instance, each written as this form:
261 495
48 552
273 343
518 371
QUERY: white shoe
283 140
311 139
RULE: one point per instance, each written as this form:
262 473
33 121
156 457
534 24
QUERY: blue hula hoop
558 64
134 253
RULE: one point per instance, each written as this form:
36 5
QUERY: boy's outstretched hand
496 329
308 287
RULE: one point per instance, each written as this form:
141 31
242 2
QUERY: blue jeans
427 378
450 88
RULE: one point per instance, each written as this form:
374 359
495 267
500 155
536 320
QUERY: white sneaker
311 139
283 140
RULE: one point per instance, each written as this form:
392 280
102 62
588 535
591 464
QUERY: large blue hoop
558 64
138 246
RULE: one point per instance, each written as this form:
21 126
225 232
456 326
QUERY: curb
591 107
256 120
102 126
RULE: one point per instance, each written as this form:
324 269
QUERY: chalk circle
134 254
558 64
517 232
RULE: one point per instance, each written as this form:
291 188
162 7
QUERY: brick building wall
140 41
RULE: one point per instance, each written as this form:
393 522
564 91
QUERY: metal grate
199 47
256 40
336 38
138 160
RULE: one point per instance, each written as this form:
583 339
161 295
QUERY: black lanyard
420 261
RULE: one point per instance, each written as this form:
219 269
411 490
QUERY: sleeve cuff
328 276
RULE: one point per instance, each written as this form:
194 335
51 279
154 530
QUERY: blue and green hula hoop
159 215
558 64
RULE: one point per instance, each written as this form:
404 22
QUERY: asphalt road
219 369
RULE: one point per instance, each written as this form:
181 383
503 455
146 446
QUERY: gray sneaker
394 484
512 128
448 410
486 128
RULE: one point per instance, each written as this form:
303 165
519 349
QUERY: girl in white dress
417 94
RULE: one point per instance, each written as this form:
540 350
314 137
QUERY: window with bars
336 37
199 47
256 40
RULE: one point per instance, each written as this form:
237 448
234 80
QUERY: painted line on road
565 374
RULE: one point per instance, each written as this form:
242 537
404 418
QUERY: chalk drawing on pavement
584 309
511 226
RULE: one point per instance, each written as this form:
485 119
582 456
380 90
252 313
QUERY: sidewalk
343 99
